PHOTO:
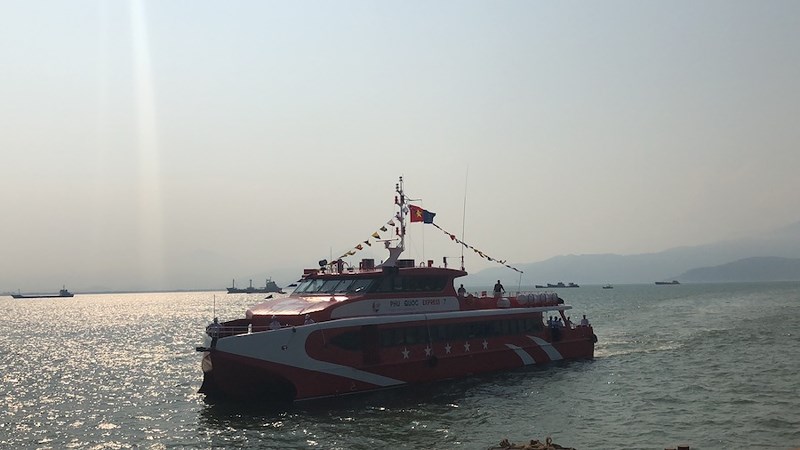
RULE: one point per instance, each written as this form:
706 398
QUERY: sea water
714 366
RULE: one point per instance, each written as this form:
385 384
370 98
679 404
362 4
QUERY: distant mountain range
765 268
767 257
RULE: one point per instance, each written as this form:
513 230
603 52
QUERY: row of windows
335 286
411 284
403 336
385 284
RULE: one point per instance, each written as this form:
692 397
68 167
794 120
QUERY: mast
401 192
394 252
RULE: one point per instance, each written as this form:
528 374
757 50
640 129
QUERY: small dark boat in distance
608 286
270 286
667 282
61 293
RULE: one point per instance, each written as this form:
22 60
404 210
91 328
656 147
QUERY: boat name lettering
415 302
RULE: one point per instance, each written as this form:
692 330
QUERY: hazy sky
179 144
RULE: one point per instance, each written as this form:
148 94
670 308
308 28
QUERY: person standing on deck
274 325
498 289
213 331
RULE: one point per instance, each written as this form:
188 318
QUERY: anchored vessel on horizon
269 286
61 293
346 330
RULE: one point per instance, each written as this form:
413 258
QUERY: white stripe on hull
526 358
548 348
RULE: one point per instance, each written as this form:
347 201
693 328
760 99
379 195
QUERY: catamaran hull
229 375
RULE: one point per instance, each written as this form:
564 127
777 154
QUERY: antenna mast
394 252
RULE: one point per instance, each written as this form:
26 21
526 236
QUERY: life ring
594 338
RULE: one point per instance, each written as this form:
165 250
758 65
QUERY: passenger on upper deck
461 291
498 289
308 320
584 321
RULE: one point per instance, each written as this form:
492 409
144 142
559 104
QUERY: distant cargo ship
62 293
557 285
667 282
269 287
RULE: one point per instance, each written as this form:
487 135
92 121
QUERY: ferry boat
61 293
345 330
269 286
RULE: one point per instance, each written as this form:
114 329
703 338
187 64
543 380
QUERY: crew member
498 289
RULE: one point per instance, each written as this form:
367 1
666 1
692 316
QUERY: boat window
411 284
514 326
411 336
386 338
350 340
329 286
360 285
343 286
396 337
497 328
533 326
386 284
303 286
315 285
476 330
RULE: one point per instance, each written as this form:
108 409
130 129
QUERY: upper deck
327 295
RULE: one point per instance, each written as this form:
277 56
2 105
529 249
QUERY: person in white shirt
584 321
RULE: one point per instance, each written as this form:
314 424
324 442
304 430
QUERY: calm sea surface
713 366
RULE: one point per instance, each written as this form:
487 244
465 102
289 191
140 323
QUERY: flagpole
464 218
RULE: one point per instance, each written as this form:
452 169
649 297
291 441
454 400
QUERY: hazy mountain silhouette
764 268
649 267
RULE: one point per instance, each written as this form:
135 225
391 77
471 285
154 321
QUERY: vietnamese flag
420 215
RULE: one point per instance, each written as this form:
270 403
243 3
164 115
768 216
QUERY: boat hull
300 363
42 296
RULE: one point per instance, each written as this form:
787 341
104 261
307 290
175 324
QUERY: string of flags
418 214
374 237
480 253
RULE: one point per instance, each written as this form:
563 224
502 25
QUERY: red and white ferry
344 331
